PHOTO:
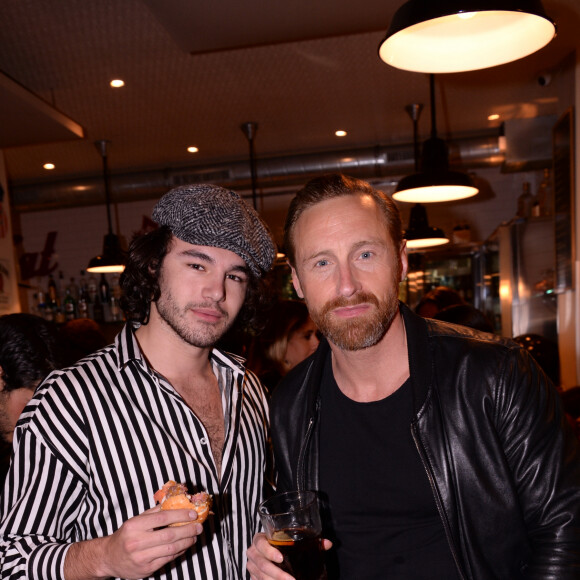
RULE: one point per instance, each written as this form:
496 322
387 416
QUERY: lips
209 314
351 311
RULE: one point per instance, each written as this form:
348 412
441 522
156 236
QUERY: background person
422 440
78 338
465 315
289 337
436 300
101 437
27 355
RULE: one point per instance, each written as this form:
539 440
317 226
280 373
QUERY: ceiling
196 70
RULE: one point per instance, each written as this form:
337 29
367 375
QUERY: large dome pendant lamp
445 36
112 258
420 234
435 182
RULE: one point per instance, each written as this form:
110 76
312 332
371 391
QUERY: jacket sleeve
33 541
544 458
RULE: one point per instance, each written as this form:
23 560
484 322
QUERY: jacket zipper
300 472
438 503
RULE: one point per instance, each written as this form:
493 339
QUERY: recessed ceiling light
116 83
193 149
48 166
493 117
340 133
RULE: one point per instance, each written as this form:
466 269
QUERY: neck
168 354
376 372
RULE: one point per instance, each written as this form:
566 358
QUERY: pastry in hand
174 496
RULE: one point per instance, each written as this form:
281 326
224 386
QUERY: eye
366 255
236 278
196 267
321 263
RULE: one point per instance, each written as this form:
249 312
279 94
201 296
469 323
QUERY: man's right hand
141 546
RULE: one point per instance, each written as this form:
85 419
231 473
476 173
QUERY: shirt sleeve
39 507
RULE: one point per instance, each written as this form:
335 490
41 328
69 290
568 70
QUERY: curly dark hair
140 280
28 350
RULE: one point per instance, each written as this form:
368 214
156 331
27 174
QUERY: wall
9 296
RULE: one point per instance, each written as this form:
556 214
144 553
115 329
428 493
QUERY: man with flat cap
161 403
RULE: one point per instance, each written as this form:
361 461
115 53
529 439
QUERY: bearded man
423 439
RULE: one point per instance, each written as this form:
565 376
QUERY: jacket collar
419 353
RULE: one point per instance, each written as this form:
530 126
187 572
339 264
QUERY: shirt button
203 441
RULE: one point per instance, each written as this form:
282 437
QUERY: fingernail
193 515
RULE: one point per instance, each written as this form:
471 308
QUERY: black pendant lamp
420 234
112 258
444 36
435 182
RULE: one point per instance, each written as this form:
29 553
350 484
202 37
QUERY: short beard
201 336
363 331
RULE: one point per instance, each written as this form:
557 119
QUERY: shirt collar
128 350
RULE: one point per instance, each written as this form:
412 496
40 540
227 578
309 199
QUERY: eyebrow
355 247
207 258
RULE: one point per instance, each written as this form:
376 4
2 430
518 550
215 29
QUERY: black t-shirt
383 516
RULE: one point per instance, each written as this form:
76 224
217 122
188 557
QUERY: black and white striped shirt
98 439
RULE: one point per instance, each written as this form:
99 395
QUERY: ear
404 260
296 282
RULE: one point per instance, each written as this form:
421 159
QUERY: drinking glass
292 524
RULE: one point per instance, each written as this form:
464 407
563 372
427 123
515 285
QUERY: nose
314 342
347 281
214 288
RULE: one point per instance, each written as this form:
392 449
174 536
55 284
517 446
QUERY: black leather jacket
504 467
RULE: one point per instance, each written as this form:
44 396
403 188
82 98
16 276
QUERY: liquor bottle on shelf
104 293
525 201
115 286
69 306
59 316
83 302
40 302
115 309
92 288
60 286
98 312
52 292
74 289
544 196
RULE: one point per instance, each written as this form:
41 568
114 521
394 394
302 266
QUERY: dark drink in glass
302 551
292 524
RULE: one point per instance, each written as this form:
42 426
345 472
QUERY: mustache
209 306
343 302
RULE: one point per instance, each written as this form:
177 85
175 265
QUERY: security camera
544 79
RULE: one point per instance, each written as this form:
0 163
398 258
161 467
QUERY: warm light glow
280 255
116 269
451 44
340 133
426 242
116 83
466 15
435 193
493 117
48 166
193 149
